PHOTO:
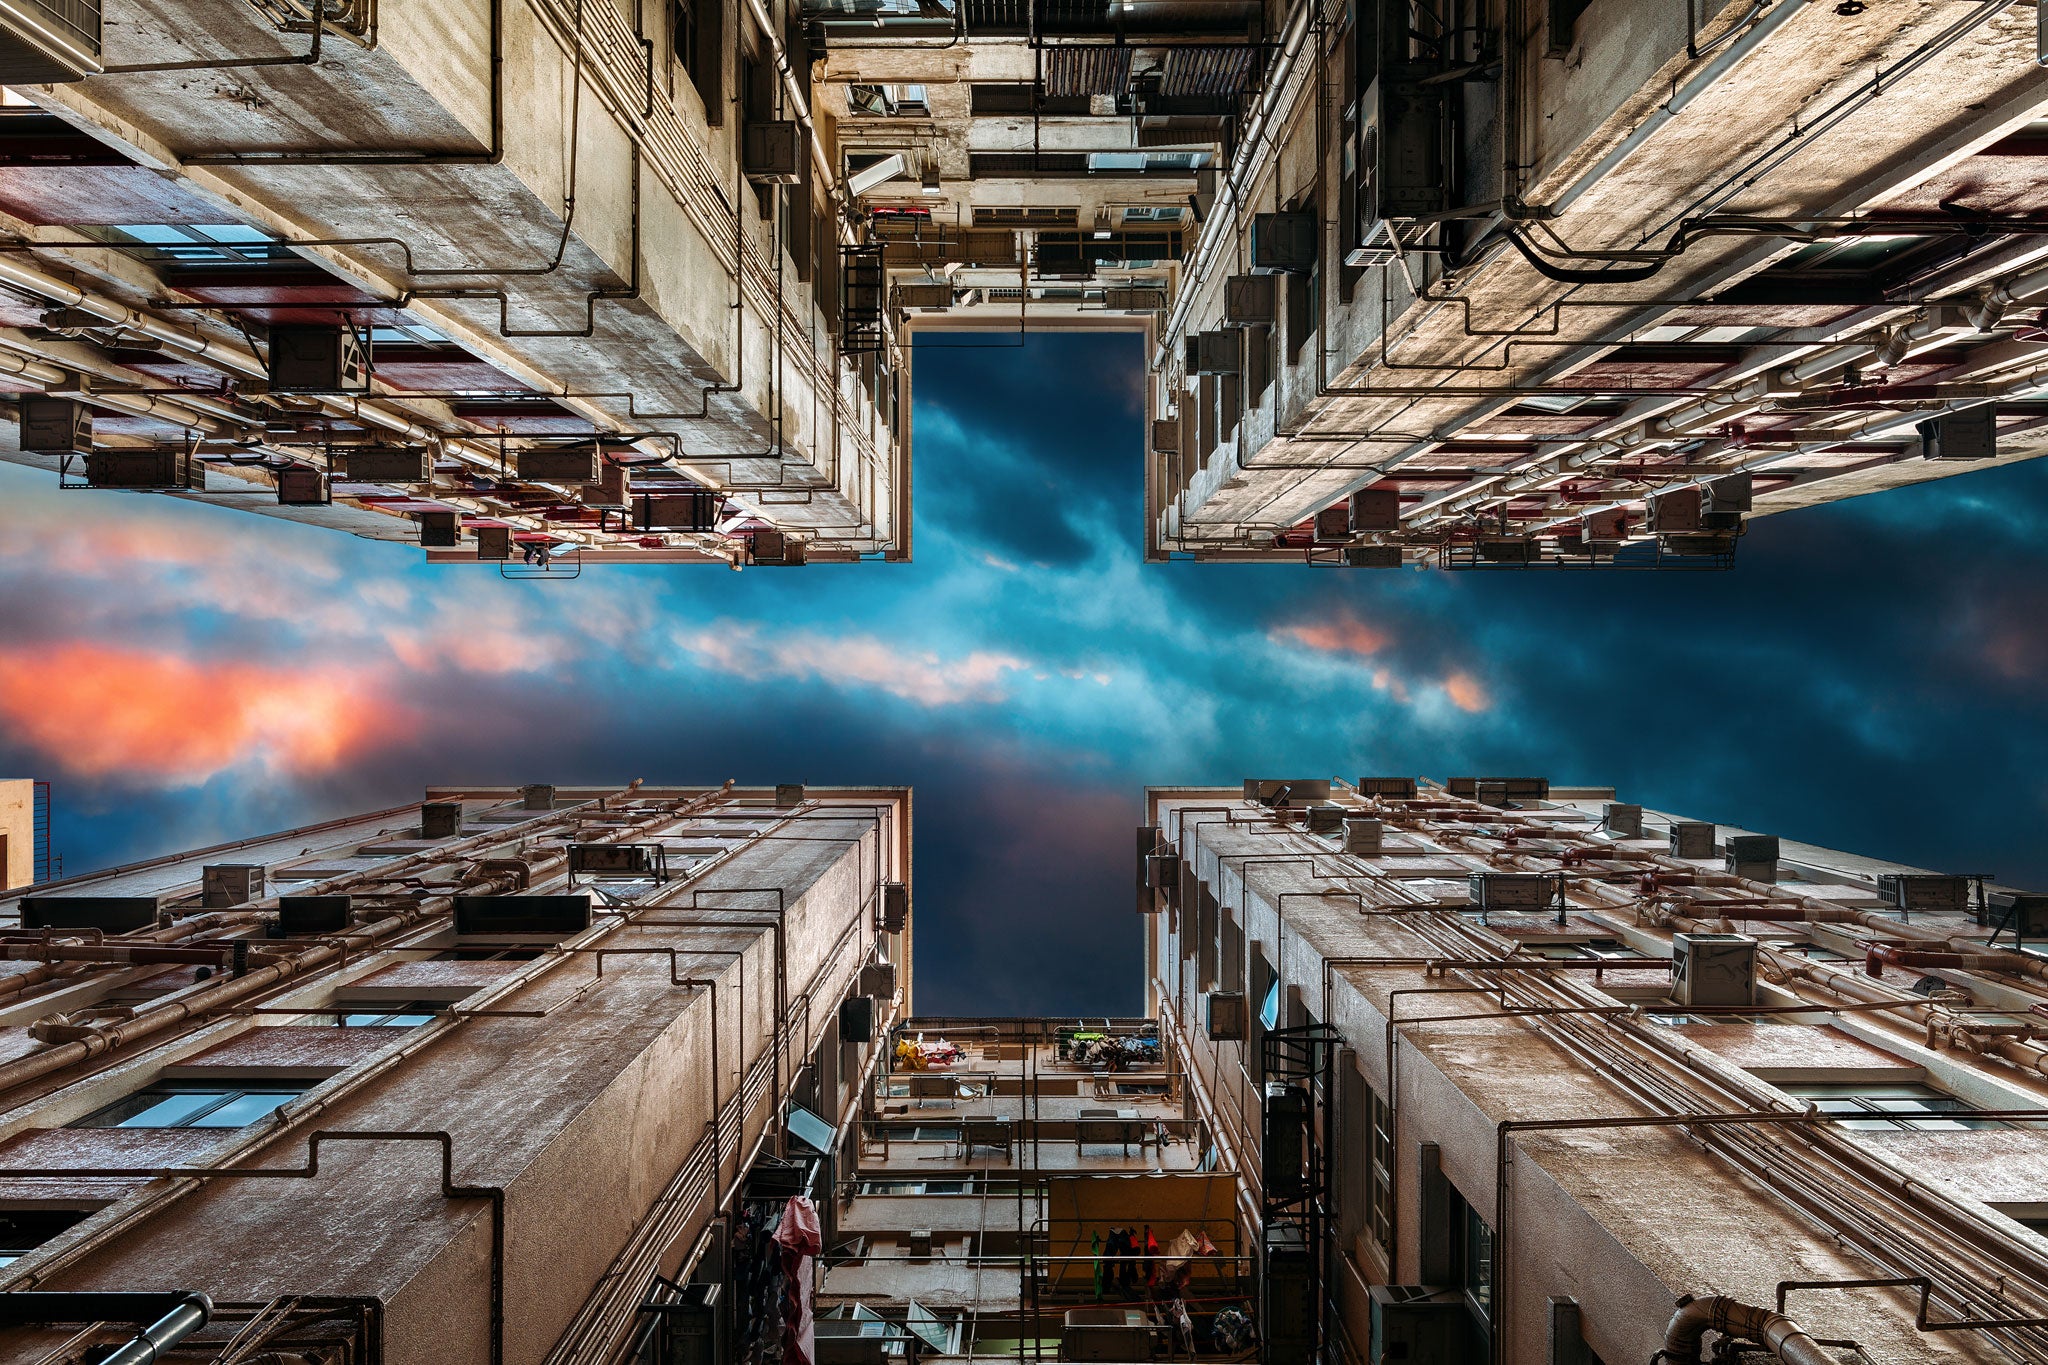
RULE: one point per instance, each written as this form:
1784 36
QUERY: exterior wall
1619 1219
17 831
582 1088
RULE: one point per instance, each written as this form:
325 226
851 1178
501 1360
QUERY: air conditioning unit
1219 352
1162 871
1677 511
696 511
1325 820
1971 434
302 486
225 884
1251 301
857 1019
440 819
1623 821
1928 892
613 860
49 43
612 488
1285 793
1288 1308
788 794
1225 1016
493 542
1375 509
1729 493
54 426
537 796
540 916
1692 839
1511 891
313 914
1333 524
1508 550
1373 557
318 359
1166 436
1499 791
110 914
2023 915
925 294
1284 243
1754 856
1284 1115
1134 299
878 979
1387 788
1417 1325
780 550
559 464
155 468
1364 836
774 152
439 530
386 464
1609 526
895 908
1713 969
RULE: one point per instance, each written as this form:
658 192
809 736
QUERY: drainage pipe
1785 1338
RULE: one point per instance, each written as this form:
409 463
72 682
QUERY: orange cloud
1466 693
98 709
1338 635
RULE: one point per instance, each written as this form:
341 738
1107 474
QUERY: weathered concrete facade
488 1130
1522 1112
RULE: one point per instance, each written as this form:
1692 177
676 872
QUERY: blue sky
1868 677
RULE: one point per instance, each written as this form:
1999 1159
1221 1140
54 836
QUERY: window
23 1230
197 1104
920 1132
1153 213
1890 1105
1592 947
212 244
1148 163
697 37
886 101
409 1014
1379 1189
1269 1008
1475 1262
488 954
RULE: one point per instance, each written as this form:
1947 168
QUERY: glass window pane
242 1110
170 1111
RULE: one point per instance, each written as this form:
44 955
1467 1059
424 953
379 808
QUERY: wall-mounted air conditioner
559 464
386 464
1692 839
773 152
54 426
1373 557
1225 1016
1623 821
1713 969
310 358
224 884
1375 509
1251 301
1284 243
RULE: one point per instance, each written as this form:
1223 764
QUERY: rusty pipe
1785 1339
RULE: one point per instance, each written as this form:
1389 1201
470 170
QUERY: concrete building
546 282
1553 1078
461 1080
1482 1071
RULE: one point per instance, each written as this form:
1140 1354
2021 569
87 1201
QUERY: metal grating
1210 71
1083 71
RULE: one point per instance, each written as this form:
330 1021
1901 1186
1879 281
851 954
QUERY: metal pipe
167 1331
1785 1339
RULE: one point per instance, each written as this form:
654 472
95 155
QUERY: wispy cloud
922 677
142 716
